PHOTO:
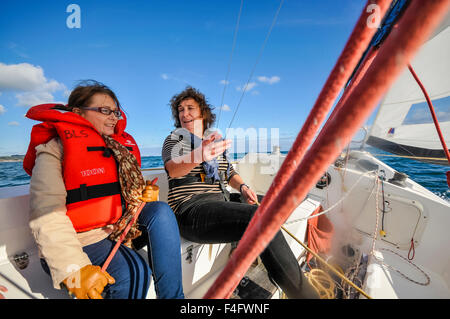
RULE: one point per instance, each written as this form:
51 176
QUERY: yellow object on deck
151 191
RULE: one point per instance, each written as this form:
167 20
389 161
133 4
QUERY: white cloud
34 98
249 86
225 107
29 80
164 76
21 77
224 82
2 109
269 80
13 123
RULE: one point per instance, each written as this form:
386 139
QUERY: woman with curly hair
198 174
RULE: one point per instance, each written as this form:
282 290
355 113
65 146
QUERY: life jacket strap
106 151
89 192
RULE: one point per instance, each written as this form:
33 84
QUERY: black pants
209 219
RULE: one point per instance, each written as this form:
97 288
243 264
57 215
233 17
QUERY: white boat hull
414 213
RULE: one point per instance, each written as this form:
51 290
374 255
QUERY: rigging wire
382 179
229 62
257 61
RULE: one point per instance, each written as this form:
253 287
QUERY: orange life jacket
89 168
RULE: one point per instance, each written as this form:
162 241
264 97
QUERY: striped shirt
173 148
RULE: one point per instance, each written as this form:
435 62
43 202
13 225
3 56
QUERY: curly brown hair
205 108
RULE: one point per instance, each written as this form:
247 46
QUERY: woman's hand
182 165
88 282
211 149
249 195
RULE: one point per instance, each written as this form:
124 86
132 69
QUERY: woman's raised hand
211 149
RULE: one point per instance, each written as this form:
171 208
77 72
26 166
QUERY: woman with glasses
80 204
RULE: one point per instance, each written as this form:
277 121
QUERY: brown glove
88 282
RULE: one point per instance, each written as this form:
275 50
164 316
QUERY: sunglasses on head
104 110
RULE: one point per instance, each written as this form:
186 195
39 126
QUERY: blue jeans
131 272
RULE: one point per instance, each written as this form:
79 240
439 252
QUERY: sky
148 51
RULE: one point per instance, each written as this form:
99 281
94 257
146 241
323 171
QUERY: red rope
346 63
415 26
433 115
366 63
122 237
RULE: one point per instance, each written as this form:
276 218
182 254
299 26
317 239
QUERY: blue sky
147 51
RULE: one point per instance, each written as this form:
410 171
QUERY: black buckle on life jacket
83 192
107 152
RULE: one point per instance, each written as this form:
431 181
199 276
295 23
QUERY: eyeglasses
104 110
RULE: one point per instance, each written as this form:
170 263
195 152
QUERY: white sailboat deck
349 200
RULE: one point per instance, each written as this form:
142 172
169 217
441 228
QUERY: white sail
404 124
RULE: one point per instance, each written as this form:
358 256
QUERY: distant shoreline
19 158
12 158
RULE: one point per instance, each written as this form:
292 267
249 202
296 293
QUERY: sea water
428 175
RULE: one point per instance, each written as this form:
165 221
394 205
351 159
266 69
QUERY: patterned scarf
132 184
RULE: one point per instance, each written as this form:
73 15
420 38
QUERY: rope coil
381 262
322 283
